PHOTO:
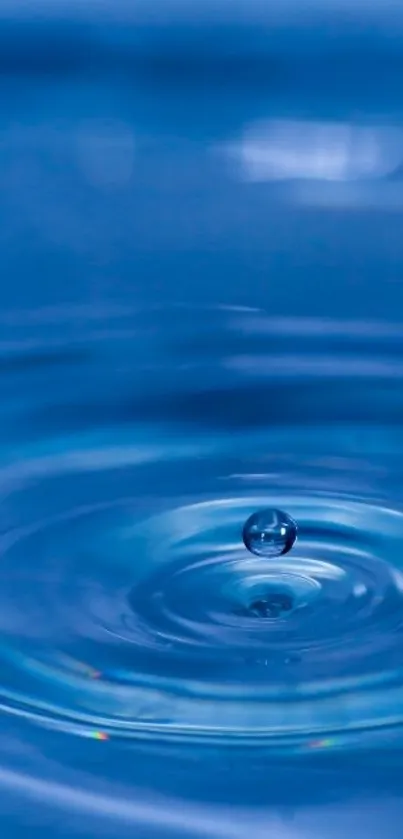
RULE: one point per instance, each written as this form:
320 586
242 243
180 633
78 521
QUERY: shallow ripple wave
134 447
126 597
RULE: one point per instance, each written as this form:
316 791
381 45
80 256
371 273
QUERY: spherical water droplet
269 533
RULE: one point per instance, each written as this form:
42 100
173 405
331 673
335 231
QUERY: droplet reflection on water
269 533
271 606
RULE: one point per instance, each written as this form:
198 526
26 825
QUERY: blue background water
200 314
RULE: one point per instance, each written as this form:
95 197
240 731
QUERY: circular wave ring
185 634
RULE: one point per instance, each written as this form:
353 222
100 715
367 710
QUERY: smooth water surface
201 318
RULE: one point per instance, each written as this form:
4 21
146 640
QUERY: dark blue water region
200 318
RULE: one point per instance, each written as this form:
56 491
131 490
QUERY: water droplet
269 533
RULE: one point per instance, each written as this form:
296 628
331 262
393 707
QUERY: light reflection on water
328 165
294 150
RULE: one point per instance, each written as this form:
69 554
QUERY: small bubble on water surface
269 533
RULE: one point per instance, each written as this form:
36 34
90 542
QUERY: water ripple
128 603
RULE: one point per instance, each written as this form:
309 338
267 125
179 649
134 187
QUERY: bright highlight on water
269 533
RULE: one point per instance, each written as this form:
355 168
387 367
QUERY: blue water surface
201 308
